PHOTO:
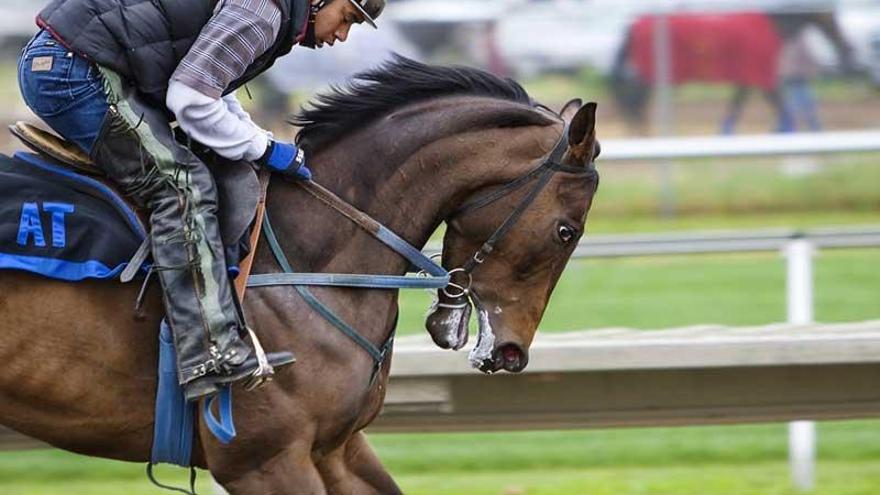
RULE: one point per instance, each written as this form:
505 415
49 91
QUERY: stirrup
248 372
264 372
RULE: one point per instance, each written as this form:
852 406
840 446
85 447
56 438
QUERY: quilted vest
145 40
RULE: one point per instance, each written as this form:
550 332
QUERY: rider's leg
132 142
137 149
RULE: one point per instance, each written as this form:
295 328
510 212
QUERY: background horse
407 144
743 49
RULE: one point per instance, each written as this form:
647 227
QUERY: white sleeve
235 107
225 128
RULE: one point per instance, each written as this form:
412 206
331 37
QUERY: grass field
746 460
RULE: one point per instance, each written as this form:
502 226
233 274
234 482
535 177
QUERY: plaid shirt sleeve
239 32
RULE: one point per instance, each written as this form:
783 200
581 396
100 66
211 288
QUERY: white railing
684 243
676 148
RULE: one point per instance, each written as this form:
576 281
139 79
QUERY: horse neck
409 172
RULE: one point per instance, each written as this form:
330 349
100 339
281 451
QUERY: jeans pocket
43 76
83 78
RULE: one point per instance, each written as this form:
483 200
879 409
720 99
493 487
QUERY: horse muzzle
508 357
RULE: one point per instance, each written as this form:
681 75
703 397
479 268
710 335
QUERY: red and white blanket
741 48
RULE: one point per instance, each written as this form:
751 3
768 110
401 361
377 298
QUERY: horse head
510 283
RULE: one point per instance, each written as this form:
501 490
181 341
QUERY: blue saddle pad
60 224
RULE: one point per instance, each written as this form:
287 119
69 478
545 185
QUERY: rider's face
334 21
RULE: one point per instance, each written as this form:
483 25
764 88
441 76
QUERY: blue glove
286 159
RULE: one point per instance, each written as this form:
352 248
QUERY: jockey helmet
371 9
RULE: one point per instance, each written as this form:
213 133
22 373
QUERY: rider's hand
286 159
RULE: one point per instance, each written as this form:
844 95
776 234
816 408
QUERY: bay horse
406 143
742 49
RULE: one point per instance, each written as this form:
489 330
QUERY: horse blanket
740 48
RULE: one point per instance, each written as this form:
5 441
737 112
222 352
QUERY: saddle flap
48 144
238 192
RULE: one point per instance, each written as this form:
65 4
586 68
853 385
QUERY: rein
431 275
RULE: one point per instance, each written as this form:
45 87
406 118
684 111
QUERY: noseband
542 175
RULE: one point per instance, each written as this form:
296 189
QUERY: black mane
399 82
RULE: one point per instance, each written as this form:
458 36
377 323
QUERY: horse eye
566 233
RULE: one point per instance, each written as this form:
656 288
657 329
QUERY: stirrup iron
264 372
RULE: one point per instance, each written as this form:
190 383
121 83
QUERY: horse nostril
510 353
514 358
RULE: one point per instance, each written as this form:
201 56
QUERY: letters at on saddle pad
62 225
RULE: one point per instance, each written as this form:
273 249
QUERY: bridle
541 175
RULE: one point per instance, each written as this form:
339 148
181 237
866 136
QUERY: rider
111 76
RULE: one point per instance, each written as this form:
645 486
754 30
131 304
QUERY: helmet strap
310 40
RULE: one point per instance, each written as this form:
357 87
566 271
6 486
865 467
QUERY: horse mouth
490 358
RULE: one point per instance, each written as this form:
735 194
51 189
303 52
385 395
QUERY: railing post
799 275
799 296
664 116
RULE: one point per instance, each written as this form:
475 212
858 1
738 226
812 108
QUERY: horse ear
583 125
570 109
582 134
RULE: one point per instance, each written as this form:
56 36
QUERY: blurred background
740 187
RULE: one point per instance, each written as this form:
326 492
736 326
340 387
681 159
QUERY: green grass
834 478
634 447
747 459
763 479
845 183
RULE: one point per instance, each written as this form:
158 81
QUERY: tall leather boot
136 148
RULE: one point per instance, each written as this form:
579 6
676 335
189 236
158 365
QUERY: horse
406 143
743 49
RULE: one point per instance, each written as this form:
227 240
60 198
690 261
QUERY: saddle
103 230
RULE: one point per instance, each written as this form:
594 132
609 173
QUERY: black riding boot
136 148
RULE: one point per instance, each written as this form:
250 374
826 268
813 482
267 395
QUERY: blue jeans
63 89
